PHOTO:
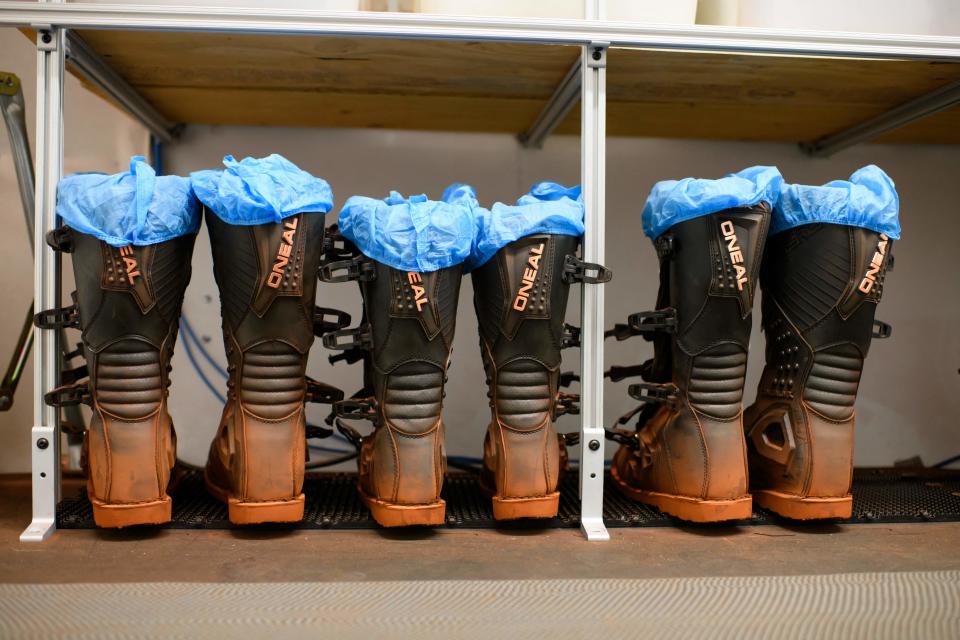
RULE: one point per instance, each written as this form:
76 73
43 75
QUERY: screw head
594 445
47 38
597 54
43 443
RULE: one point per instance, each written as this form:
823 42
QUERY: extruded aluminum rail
51 18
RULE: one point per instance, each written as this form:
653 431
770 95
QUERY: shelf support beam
916 109
91 67
593 154
560 104
45 435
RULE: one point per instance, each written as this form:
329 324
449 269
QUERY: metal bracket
46 37
598 55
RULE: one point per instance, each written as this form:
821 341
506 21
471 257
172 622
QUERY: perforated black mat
879 495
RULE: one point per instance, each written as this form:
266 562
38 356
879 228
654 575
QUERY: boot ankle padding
833 380
715 387
272 382
128 382
522 394
412 397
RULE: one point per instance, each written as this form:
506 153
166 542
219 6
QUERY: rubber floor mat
879 495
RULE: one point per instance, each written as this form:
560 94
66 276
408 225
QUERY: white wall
910 396
97 138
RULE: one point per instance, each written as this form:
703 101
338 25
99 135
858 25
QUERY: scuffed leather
128 332
403 461
521 328
818 327
259 451
697 448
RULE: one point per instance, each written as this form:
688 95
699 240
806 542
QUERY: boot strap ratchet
576 270
359 338
882 330
321 325
567 378
570 337
59 318
567 403
616 373
667 394
665 246
356 409
69 395
335 246
645 322
358 269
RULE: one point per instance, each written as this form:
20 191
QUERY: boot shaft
129 301
708 277
520 297
821 285
267 279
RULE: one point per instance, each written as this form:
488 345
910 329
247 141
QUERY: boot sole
685 507
111 515
254 512
799 508
522 507
391 514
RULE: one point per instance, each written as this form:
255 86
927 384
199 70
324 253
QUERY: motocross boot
688 456
407 336
821 284
267 279
520 296
127 307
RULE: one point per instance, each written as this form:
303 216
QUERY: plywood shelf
210 78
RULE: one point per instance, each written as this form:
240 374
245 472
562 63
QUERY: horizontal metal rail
402 25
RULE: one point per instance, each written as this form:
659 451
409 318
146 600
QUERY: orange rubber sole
535 507
799 508
109 515
686 507
391 514
253 512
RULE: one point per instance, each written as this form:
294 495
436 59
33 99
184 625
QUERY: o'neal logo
736 255
870 277
130 263
283 254
529 275
419 293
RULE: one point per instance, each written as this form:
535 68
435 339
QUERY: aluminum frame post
45 435
593 167
14 115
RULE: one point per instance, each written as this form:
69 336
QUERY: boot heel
119 515
800 508
536 507
241 512
390 514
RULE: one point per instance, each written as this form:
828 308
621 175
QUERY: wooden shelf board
470 86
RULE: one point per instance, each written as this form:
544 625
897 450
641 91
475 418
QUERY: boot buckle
59 239
665 246
359 269
620 331
350 356
567 378
322 326
624 437
322 393
335 246
567 403
356 409
882 330
570 337
616 373
667 394
645 322
576 270
358 338
69 395
59 318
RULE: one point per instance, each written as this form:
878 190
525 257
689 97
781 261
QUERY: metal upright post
593 167
45 437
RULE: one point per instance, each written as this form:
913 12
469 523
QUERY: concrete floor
352 556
